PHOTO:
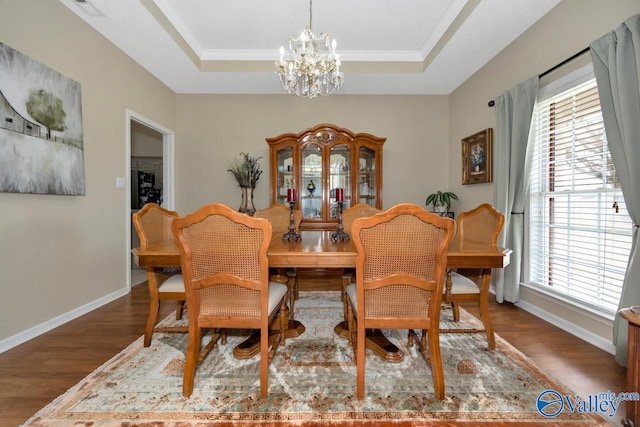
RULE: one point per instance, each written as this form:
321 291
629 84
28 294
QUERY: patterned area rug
312 382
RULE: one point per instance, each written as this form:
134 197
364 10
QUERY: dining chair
400 272
280 216
359 210
153 225
223 254
482 224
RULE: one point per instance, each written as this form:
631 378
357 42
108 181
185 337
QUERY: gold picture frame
477 153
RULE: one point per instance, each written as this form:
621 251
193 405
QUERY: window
579 228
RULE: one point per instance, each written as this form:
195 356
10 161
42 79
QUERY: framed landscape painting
41 139
477 164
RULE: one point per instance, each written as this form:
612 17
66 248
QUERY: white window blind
579 228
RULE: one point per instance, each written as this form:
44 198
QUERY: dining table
317 250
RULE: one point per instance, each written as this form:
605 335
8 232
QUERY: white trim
50 324
127 189
574 305
584 334
168 150
575 330
569 81
168 170
345 55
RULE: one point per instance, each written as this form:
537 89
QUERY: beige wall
214 129
60 253
145 141
566 30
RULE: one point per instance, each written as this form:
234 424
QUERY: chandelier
313 68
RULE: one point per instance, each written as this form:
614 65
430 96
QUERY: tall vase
246 204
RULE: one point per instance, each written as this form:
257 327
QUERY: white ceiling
426 47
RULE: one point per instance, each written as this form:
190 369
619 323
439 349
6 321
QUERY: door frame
168 171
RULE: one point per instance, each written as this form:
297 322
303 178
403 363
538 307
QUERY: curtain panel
616 64
514 111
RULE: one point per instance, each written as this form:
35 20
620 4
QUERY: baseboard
573 329
24 336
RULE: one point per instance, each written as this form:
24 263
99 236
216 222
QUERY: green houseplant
441 201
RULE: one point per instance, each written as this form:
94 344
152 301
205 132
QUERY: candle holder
291 234
340 234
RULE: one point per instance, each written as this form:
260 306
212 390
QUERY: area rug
312 382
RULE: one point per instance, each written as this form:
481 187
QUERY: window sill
570 304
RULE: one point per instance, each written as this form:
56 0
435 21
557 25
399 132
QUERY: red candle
340 194
291 194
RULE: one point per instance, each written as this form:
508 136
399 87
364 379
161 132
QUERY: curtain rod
555 67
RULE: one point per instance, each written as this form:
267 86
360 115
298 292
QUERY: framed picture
41 137
477 152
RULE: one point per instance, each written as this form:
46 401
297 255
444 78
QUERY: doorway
150 177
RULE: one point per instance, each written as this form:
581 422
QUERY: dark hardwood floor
36 372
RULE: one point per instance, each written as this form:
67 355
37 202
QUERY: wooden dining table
316 249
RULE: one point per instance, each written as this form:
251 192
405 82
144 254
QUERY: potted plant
247 172
441 202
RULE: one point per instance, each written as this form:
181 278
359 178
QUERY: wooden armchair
153 225
224 261
279 217
482 224
360 210
401 267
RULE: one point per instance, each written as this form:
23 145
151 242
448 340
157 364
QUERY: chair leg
346 280
213 343
264 362
455 307
360 361
284 321
154 307
351 326
484 308
436 362
410 338
193 352
154 304
179 309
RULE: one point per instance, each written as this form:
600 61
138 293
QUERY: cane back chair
153 225
482 224
280 216
400 273
359 210
224 261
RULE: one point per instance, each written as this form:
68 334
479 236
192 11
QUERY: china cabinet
319 160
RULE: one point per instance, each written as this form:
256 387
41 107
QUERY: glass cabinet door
284 177
367 185
311 187
339 177
317 162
